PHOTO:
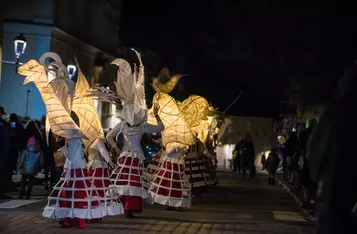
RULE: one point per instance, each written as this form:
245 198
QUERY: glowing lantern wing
176 128
195 109
60 121
83 106
168 86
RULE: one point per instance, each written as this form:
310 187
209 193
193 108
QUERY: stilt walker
127 176
72 199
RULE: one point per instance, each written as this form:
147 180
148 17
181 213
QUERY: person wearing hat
5 143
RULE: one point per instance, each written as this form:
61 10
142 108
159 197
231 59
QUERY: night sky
228 47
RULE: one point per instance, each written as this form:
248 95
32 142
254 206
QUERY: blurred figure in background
31 160
248 156
271 165
18 144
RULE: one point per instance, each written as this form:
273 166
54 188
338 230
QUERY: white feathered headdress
130 89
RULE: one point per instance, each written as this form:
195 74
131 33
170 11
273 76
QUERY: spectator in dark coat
248 156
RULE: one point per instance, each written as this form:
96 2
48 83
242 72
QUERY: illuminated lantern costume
170 185
127 176
97 155
198 115
72 199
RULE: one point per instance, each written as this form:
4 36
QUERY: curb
296 200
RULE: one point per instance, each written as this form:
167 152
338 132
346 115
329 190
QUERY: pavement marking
16 203
288 216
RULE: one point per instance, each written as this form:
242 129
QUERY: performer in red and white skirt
170 186
127 176
98 161
73 199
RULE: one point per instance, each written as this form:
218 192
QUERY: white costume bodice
132 137
98 156
74 154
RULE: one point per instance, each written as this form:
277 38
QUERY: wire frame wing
168 86
83 106
195 110
60 121
176 128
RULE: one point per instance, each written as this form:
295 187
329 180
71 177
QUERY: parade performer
72 199
97 155
127 176
208 156
170 186
198 114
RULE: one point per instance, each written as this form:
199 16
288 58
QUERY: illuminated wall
224 153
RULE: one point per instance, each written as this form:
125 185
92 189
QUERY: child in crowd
31 160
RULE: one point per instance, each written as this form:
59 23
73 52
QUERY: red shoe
80 223
65 223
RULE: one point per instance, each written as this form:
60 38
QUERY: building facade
85 29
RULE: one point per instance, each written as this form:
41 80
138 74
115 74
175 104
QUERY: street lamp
20 47
71 70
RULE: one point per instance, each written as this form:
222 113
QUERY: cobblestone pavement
235 205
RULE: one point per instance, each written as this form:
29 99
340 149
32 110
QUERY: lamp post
71 70
27 102
19 47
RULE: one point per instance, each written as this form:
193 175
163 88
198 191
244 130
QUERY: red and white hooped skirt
127 181
170 186
100 179
74 197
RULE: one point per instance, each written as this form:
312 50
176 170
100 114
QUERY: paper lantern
177 133
83 106
60 121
